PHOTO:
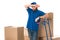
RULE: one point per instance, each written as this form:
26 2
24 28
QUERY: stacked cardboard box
42 32
16 33
12 33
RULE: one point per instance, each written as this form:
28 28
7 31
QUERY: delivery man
34 15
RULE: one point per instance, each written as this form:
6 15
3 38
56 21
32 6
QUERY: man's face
34 7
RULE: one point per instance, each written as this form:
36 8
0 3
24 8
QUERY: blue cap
33 3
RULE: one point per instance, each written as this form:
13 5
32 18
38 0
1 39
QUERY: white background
13 13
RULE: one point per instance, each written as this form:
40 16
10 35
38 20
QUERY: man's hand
45 16
37 5
42 17
28 5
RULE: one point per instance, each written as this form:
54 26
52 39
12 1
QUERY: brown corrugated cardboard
41 31
50 15
26 38
43 38
57 38
20 34
12 33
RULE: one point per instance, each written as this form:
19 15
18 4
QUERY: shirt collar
35 10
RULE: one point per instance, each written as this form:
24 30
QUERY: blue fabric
33 35
33 3
31 24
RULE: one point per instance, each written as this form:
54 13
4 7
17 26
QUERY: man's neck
35 9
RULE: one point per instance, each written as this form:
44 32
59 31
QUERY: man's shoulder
40 11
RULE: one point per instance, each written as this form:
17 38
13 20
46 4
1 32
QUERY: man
34 15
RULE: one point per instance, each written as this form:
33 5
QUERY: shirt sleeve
29 10
42 13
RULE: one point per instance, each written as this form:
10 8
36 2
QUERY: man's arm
28 8
27 5
42 17
45 16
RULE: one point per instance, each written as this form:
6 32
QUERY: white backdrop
13 13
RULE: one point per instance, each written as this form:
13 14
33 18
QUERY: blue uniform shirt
31 24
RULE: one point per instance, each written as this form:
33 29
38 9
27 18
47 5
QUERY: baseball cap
33 3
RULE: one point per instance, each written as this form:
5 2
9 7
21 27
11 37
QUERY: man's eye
33 6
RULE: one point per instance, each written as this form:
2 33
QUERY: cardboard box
50 15
12 33
57 38
43 38
26 38
16 33
41 31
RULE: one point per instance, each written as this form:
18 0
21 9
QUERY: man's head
34 5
